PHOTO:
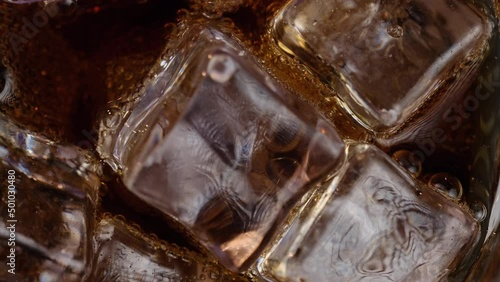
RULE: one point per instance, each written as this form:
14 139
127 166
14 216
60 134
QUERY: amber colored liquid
66 70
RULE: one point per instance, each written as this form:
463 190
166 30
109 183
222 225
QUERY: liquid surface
165 111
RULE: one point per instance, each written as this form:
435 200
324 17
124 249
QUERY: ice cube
123 253
373 222
47 207
223 150
385 58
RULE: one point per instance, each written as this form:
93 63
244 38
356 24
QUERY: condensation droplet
221 68
448 184
479 210
395 30
405 160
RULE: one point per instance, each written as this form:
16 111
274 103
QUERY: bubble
113 119
120 217
395 31
212 14
221 68
214 275
447 184
405 160
478 210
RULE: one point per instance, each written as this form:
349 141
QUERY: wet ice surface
227 153
123 253
53 207
373 223
389 55
52 234
235 161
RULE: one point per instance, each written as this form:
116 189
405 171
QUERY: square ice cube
123 253
47 208
372 223
52 234
224 150
385 58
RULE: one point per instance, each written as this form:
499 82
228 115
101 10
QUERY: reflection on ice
385 58
373 223
224 151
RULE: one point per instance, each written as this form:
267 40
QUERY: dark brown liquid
65 70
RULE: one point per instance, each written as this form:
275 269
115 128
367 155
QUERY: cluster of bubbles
442 182
215 8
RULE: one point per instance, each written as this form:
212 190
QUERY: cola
278 140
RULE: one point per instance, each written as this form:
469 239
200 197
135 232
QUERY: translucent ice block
386 58
47 207
123 253
373 222
222 149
